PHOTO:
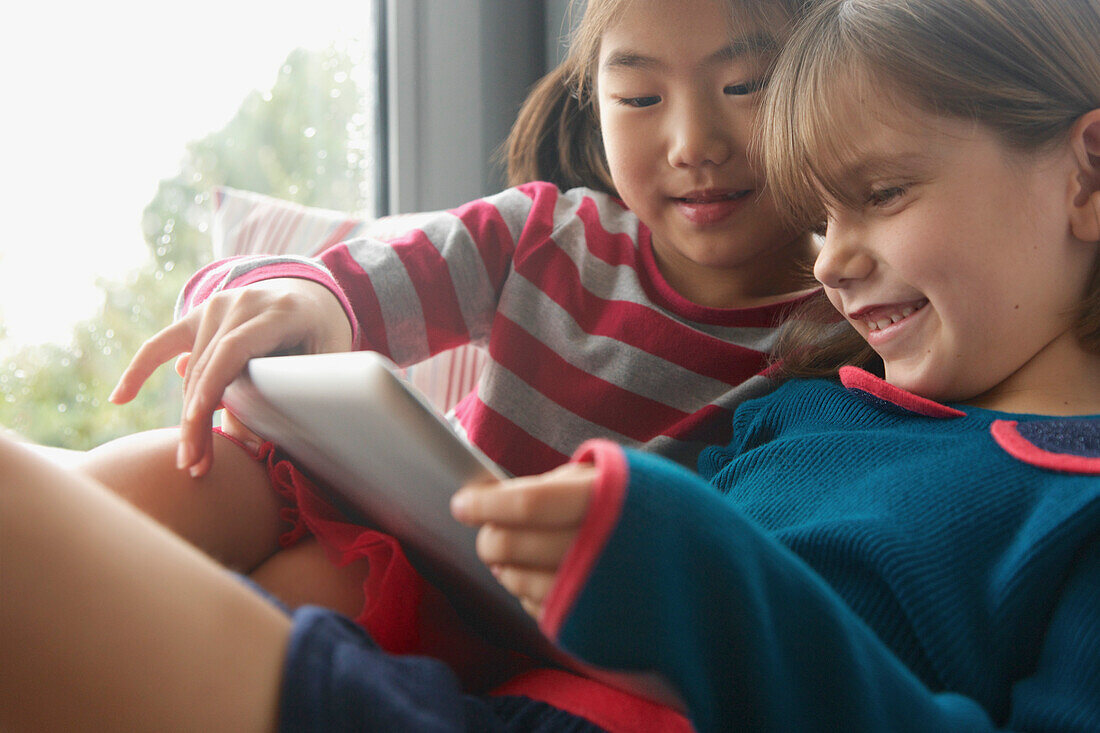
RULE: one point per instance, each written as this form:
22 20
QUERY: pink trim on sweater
855 378
1007 435
604 509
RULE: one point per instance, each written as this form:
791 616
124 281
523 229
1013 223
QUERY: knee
131 455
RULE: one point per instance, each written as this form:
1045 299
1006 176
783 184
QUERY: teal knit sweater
860 560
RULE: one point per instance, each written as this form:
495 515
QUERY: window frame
456 72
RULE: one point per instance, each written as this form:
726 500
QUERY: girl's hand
220 336
527 526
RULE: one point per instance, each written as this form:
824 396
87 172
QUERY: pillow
251 223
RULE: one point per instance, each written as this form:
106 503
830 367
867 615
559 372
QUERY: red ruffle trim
402 612
405 614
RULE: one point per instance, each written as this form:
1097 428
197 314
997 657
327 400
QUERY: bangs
816 99
771 18
821 94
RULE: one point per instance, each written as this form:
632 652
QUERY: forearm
743 629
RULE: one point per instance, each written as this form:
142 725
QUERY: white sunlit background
119 120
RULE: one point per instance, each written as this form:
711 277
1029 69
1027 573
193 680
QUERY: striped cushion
250 223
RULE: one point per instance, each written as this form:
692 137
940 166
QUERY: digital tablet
387 458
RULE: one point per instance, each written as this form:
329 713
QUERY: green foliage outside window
307 140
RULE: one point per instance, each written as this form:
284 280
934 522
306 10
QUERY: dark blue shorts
337 679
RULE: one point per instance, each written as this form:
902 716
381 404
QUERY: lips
710 206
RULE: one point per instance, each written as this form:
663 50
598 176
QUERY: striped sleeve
430 289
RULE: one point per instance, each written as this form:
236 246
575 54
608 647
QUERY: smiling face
677 95
953 257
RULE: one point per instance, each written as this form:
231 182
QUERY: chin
926 383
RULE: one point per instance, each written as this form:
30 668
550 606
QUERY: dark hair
556 138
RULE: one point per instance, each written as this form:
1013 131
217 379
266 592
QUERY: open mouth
882 317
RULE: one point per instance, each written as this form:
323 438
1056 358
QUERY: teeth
884 322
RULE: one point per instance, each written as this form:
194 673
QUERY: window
119 122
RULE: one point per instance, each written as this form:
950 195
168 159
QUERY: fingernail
114 393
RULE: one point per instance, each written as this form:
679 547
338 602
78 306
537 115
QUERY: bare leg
232 513
109 622
303 575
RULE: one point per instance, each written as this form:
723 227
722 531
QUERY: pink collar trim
859 380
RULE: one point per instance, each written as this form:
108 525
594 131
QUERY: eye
748 87
883 196
638 101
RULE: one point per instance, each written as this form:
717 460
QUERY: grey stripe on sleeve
402 315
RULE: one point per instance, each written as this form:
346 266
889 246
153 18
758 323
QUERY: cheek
613 148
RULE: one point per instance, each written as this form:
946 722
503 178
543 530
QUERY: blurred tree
307 140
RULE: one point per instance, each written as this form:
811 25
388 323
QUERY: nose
700 136
841 260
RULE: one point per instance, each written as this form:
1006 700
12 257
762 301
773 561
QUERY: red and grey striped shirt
584 336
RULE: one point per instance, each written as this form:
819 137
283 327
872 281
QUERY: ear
1085 204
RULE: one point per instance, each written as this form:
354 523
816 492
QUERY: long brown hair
1025 69
556 136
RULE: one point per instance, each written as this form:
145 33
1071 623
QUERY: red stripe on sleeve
607 707
361 297
427 270
493 239
202 285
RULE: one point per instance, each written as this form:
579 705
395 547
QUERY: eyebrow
880 164
756 43
845 183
